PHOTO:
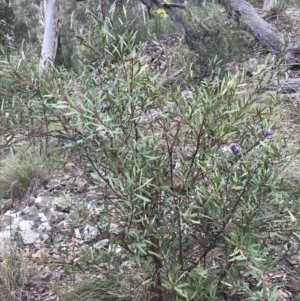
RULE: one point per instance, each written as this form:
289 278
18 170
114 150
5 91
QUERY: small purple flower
235 149
267 133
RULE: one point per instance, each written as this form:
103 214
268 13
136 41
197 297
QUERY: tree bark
148 4
50 38
268 36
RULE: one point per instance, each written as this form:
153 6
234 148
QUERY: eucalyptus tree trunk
267 35
50 37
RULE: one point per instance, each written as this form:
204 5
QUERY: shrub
196 204
201 221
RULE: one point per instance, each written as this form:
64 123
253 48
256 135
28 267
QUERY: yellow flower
161 12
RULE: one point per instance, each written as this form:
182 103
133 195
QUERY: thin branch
178 5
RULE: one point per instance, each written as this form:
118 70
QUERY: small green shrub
199 220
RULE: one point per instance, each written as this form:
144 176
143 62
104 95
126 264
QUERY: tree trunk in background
268 36
176 19
50 38
148 4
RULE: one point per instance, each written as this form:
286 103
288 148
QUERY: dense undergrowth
195 179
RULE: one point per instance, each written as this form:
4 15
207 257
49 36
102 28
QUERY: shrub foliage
192 182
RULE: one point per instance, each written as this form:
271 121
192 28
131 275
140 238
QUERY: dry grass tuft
20 171
14 270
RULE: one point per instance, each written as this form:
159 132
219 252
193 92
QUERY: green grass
97 289
20 171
